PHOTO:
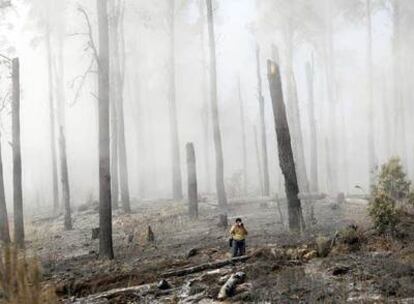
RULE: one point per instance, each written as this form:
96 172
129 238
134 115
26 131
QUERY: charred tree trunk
52 125
65 180
244 145
17 159
314 178
262 125
4 221
221 191
175 141
114 95
60 93
105 210
192 181
286 160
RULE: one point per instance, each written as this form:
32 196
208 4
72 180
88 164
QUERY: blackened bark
105 210
65 181
17 159
4 221
175 141
192 181
262 125
221 191
286 159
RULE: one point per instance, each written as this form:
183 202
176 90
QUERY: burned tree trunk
314 179
105 210
175 141
4 221
244 145
65 180
17 159
221 191
192 181
262 126
286 160
60 93
52 125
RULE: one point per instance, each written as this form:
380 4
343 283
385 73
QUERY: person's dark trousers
239 248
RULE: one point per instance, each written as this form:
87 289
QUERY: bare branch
82 79
91 40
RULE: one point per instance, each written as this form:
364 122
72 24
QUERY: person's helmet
238 220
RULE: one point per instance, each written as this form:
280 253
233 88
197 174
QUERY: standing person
238 234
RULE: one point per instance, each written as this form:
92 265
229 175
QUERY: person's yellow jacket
238 232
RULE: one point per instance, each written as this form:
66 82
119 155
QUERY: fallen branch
202 267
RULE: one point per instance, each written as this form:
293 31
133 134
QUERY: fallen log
227 290
202 267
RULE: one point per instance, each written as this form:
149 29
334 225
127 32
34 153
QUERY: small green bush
383 212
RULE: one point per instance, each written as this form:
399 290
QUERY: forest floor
339 259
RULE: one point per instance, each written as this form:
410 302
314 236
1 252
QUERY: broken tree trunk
221 190
65 181
4 222
202 267
286 160
17 158
227 290
192 181
262 126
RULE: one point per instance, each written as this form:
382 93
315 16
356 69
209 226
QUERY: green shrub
383 212
392 181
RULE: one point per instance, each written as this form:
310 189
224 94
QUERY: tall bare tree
105 209
221 191
286 160
175 141
118 69
52 122
17 158
205 112
262 125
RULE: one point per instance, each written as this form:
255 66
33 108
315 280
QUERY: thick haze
239 24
